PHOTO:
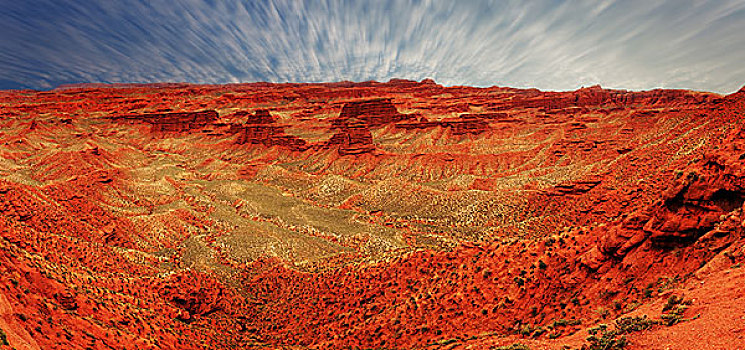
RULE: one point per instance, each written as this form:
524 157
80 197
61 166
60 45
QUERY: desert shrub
601 338
516 346
448 341
3 338
537 332
672 312
627 325
525 330
672 301
602 312
631 307
563 323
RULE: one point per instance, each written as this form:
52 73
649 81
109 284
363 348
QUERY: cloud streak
545 44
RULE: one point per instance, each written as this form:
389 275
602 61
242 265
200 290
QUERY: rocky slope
370 215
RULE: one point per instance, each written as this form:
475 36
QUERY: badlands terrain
371 215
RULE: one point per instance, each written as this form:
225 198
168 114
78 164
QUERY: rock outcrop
353 137
597 96
697 206
262 128
259 128
465 124
173 122
196 294
420 122
574 187
374 112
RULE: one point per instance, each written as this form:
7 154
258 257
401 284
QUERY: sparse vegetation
602 312
526 330
627 325
672 312
447 341
563 323
519 281
429 240
601 338
3 338
515 346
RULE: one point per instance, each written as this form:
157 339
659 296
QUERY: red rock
66 300
353 138
574 188
261 116
261 128
374 112
565 203
465 125
195 293
419 123
173 122
493 117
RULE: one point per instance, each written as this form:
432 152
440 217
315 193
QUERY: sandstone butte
370 216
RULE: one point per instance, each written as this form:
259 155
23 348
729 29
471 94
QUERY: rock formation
173 122
374 112
464 124
482 218
353 137
262 128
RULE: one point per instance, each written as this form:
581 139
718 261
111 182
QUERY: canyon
370 215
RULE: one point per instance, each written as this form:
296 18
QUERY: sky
550 45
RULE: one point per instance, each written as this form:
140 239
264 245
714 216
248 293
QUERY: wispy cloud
546 44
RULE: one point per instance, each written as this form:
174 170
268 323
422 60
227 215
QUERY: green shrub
672 312
603 339
448 341
626 325
631 307
563 323
674 316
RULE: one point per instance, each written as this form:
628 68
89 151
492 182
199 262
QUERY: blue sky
551 45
